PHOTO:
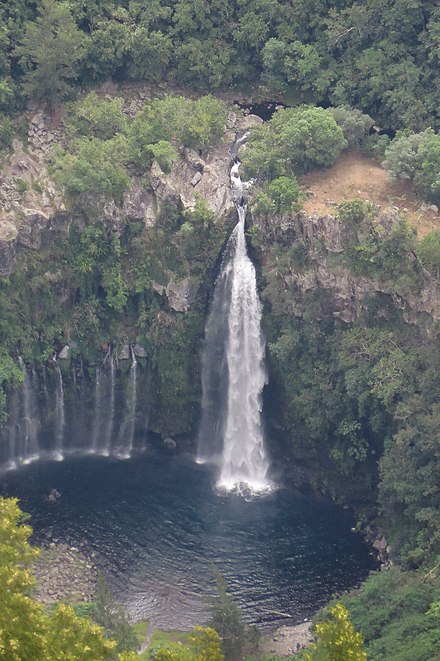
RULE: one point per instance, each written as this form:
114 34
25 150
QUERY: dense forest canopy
380 56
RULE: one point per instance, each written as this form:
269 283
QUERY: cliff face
146 277
325 239
80 278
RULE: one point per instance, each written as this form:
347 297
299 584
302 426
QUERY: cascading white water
104 406
234 374
30 439
59 421
99 404
126 433
111 409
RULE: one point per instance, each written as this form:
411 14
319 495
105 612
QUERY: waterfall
11 434
29 450
126 433
99 409
59 418
233 367
111 409
104 406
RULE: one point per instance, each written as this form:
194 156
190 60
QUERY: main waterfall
233 369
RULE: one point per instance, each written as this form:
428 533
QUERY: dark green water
157 530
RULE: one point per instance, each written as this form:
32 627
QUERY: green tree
284 192
427 175
144 132
355 124
428 251
93 167
336 639
294 140
204 645
196 123
27 632
10 374
150 54
94 117
164 153
50 53
408 490
226 618
402 155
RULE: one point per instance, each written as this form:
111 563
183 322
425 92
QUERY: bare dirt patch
356 176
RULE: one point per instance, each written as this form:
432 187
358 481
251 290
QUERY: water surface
158 531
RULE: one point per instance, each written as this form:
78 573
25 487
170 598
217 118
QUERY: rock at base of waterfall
170 444
139 351
124 353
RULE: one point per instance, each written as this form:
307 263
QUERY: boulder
139 351
64 353
196 179
170 444
232 120
139 204
193 159
124 353
248 122
181 295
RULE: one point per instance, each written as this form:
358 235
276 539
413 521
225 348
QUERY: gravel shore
64 573
285 640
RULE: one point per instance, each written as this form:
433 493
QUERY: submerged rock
170 444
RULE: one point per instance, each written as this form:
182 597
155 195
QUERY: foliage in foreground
203 645
27 631
336 638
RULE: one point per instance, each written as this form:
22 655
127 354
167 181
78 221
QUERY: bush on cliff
295 140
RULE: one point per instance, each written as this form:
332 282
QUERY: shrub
94 117
6 132
355 124
198 124
295 140
401 157
428 251
284 192
93 166
416 157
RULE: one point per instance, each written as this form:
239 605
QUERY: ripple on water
159 530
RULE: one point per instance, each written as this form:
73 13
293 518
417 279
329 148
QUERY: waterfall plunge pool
158 530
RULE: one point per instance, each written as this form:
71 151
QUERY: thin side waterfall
59 419
100 404
12 432
233 368
126 433
29 429
111 409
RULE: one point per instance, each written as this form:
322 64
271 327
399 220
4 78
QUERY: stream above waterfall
157 531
